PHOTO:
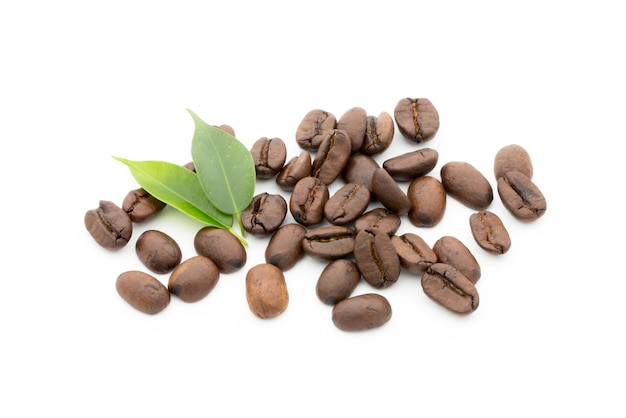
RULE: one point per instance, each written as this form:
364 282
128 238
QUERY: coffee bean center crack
418 129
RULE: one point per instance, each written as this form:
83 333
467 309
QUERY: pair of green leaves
222 186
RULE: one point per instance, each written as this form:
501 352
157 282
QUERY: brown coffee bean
285 246
227 128
307 201
378 219
109 225
332 156
417 119
512 157
193 279
329 242
269 155
489 232
354 122
521 196
428 201
378 134
465 183
295 170
141 205
347 204
450 250
264 215
450 288
313 128
389 193
266 291
414 253
411 165
337 281
142 291
158 251
359 169
222 247
362 312
376 258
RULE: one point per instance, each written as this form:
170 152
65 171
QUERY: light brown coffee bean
362 312
142 291
378 219
428 201
389 193
354 122
512 157
411 165
414 253
329 242
193 279
417 119
332 156
489 232
269 155
295 170
337 281
222 247
450 288
266 291
521 196
450 250
347 204
465 183
378 134
285 246
158 251
359 169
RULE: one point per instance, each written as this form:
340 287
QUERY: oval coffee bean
414 253
389 193
264 215
417 119
227 128
376 258
378 219
307 201
109 225
142 291
428 201
158 251
359 169
285 246
332 156
354 122
512 157
452 251
347 204
141 205
313 128
269 155
489 232
266 291
329 242
378 134
362 312
295 170
450 288
193 279
337 281
222 247
521 196
411 165
466 184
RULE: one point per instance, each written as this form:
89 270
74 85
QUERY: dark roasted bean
307 201
329 242
417 119
313 128
362 312
158 251
193 279
450 288
269 155
222 247
411 165
109 225
347 204
337 281
141 205
354 122
295 170
389 193
265 213
376 258
332 156
378 134
285 246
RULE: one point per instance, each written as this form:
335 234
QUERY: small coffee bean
362 312
285 246
354 122
450 250
109 225
307 201
337 281
193 279
222 247
269 155
314 127
417 119
376 258
266 291
347 204
142 291
158 251
378 134
521 196
329 242
295 170
141 205
264 215
465 183
414 253
411 165
450 288
378 219
332 156
428 201
512 157
389 193
489 232
359 169
227 128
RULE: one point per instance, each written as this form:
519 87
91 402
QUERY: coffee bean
450 250
141 205
222 247
464 182
359 169
411 165
109 225
378 219
142 291
428 201
313 128
376 258
227 128
329 242
193 279
347 204
307 201
158 251
378 134
389 193
512 157
295 170
521 196
332 156
362 312
414 253
266 291
337 281
354 122
417 119
285 246
489 232
450 288
269 155
264 215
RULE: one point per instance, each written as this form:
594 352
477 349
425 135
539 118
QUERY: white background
83 81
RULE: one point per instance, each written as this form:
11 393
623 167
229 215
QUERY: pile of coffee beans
353 231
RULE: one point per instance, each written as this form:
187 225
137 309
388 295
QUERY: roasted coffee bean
414 253
378 134
378 219
329 242
193 279
295 170
465 183
313 128
142 291
450 250
332 156
265 213
489 232
141 205
337 281
285 246
266 291
354 122
269 155
376 258
222 247
389 193
362 312
417 119
158 251
347 204
512 157
307 201
359 169
109 225
428 201
450 288
521 196
411 165
227 128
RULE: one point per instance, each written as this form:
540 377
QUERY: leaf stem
240 238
